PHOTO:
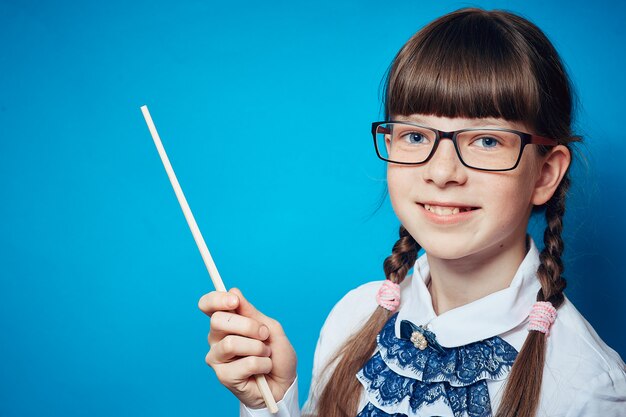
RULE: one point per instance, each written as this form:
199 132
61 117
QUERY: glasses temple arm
541 140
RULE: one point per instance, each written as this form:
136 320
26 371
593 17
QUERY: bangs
465 66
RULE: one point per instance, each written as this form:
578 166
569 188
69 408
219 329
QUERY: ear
552 167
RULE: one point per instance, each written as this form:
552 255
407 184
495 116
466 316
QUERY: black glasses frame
526 139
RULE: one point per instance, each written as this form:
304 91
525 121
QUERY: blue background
100 276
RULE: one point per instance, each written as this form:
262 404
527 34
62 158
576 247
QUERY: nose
444 167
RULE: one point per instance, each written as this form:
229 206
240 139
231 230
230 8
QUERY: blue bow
407 328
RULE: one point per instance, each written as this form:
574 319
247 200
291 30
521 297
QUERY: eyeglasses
483 149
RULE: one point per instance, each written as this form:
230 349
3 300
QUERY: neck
456 282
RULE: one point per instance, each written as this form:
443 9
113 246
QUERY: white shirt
582 375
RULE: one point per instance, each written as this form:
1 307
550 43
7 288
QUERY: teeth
445 211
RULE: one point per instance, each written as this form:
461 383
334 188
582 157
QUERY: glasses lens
398 142
489 149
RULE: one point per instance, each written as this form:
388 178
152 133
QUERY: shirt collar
481 319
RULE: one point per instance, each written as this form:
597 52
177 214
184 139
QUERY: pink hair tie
542 316
388 295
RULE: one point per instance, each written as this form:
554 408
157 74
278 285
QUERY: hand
244 342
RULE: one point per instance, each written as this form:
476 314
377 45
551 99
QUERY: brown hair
474 63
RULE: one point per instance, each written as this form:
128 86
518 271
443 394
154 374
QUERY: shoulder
580 369
352 311
574 341
605 396
346 318
349 315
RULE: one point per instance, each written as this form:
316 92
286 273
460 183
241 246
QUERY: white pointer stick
204 251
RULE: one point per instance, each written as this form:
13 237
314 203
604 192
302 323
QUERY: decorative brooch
419 340
420 336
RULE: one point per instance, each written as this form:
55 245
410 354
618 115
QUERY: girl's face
503 200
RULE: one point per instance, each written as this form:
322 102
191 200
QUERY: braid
402 258
340 397
523 389
551 268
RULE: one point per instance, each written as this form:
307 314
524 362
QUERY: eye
487 142
415 138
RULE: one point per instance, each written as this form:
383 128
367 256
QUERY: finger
225 323
217 301
246 308
242 369
232 346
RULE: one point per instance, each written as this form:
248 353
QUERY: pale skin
244 342
468 260
479 256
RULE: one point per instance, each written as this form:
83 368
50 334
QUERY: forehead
448 124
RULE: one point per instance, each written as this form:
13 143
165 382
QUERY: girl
477 137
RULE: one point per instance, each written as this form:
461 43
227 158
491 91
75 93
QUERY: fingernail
264 332
232 301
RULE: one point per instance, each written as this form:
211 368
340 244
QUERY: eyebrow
474 122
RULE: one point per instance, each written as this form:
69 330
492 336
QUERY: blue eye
415 137
488 142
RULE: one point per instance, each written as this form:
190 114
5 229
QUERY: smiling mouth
446 210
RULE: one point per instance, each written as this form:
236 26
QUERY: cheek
400 183
397 183
509 198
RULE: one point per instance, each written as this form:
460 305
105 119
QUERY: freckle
501 245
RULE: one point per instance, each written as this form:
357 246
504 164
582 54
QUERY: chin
449 246
446 252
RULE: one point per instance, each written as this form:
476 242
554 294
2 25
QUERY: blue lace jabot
402 380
